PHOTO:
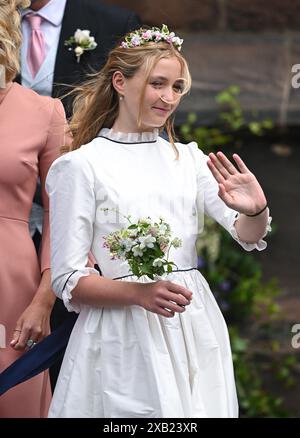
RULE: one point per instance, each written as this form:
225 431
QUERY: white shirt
52 13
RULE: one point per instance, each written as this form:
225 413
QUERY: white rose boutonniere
81 41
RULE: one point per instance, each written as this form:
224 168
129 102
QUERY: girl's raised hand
238 188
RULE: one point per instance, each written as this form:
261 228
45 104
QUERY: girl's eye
178 88
157 84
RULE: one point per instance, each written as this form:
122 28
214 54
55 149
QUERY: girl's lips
163 110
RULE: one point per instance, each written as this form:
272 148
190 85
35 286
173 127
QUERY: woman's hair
96 103
10 36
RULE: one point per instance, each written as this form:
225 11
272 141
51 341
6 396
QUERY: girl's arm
103 292
252 229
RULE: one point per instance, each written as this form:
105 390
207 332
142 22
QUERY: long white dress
126 361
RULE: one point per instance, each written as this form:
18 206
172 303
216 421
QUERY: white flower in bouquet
147 241
144 245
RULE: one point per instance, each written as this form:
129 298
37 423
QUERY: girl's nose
169 96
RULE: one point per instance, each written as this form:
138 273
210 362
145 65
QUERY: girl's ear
118 81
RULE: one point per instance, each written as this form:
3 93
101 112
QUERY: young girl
143 348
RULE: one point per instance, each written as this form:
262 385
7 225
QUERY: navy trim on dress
176 270
124 142
68 279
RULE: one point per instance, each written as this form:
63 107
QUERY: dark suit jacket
107 23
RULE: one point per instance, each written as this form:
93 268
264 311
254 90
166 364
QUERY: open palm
238 188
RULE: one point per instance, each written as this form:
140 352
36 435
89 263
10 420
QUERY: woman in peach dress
31 134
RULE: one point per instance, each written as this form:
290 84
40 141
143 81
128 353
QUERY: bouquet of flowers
144 245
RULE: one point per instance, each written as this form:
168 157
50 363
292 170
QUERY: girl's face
161 97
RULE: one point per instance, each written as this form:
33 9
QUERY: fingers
164 312
171 306
215 169
24 338
240 163
222 168
178 299
16 335
222 165
226 163
178 289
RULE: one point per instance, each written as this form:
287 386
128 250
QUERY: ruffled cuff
260 245
70 284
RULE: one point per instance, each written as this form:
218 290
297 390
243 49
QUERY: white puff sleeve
212 205
70 186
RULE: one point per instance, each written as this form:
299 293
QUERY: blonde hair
96 103
10 36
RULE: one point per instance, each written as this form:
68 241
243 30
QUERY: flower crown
142 36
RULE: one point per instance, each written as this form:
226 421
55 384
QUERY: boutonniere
81 41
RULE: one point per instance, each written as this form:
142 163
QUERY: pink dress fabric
31 134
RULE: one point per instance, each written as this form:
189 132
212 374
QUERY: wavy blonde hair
10 36
96 103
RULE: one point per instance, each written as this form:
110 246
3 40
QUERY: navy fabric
39 358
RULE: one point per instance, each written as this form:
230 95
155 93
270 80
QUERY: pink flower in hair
147 35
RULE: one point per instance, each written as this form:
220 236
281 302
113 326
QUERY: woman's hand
158 297
239 189
33 324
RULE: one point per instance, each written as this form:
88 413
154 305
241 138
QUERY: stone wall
253 44
229 15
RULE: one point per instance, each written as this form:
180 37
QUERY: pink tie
36 47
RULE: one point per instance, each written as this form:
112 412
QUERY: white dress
126 361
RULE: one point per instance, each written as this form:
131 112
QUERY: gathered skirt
127 362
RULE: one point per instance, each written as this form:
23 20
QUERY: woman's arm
34 322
